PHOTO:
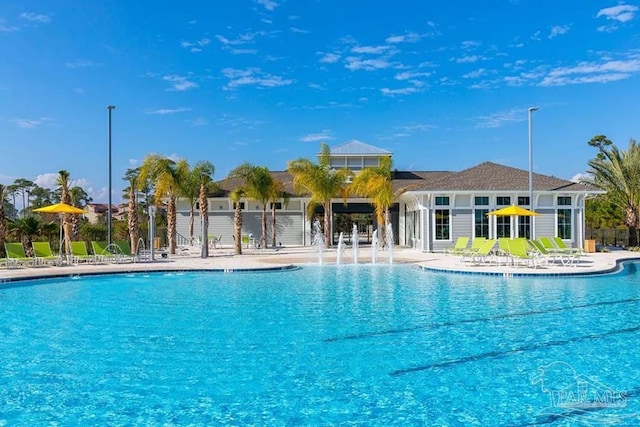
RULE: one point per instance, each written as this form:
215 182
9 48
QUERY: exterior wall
545 223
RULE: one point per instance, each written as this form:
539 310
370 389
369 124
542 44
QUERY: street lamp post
531 110
109 214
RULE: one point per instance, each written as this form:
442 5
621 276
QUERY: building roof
485 177
358 148
490 176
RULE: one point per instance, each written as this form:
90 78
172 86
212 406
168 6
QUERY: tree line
162 181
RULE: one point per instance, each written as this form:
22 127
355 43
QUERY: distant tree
24 229
22 187
65 197
132 176
163 172
4 194
322 184
237 196
618 173
203 172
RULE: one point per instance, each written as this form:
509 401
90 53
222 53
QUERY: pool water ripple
354 345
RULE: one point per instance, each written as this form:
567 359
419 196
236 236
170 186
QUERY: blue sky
443 86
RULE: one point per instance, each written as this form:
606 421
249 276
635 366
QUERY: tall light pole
531 110
109 214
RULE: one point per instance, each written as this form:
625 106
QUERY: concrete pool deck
223 259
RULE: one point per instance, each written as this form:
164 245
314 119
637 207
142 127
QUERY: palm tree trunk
204 217
67 226
273 224
134 233
171 224
191 212
263 238
237 228
327 224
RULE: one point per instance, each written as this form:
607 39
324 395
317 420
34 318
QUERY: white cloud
329 58
579 177
47 180
408 75
357 63
252 77
198 121
501 118
558 30
621 13
372 50
180 83
4 28
164 111
298 30
475 74
401 91
470 59
315 137
405 38
30 123
35 17
590 72
81 63
268 4
197 45
470 44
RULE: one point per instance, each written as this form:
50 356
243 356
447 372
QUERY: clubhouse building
433 209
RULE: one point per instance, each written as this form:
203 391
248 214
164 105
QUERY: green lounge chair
562 246
80 253
16 254
519 251
123 248
482 255
459 247
104 252
43 254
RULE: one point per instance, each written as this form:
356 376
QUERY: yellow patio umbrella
513 211
60 208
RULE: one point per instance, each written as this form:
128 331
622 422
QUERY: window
442 200
523 201
524 226
278 205
564 200
481 201
564 223
503 226
503 200
241 205
481 222
443 220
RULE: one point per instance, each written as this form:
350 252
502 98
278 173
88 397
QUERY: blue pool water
332 345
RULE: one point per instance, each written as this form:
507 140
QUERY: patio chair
16 254
459 247
80 253
563 247
104 252
483 255
43 254
519 251
123 248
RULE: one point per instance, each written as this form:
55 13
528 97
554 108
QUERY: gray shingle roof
486 176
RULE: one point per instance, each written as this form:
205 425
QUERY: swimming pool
350 345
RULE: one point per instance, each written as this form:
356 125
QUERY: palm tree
276 193
203 171
236 196
132 176
4 193
257 184
65 197
164 174
618 173
321 182
189 189
24 228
